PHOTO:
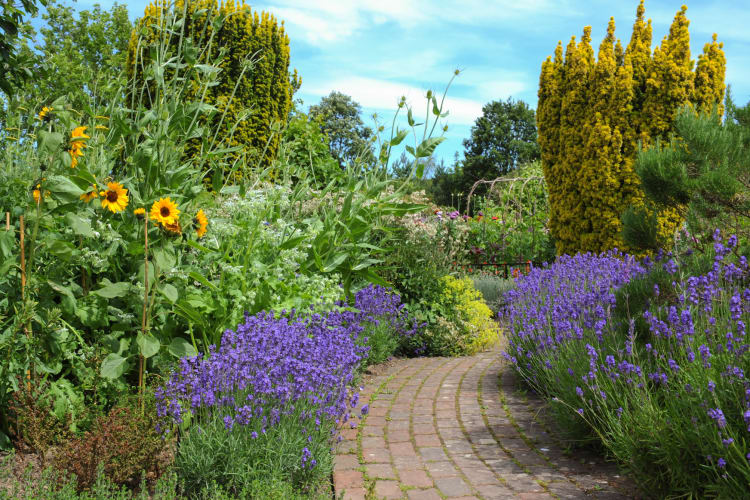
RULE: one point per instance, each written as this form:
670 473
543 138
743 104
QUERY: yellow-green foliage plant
465 324
595 113
253 96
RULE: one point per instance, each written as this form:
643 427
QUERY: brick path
456 428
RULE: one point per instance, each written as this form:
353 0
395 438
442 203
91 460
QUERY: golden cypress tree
595 114
600 177
254 88
709 78
574 88
548 123
639 55
670 81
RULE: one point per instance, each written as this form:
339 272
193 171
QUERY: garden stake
23 290
7 221
23 264
145 305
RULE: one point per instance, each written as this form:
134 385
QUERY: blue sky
378 50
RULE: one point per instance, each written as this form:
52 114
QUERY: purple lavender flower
718 416
365 409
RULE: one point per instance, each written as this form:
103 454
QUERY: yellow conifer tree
709 78
595 114
670 81
254 88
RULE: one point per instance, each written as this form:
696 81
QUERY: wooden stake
23 262
23 286
7 221
145 306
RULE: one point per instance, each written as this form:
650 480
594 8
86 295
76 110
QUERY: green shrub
382 341
493 289
461 323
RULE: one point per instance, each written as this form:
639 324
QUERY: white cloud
326 21
385 95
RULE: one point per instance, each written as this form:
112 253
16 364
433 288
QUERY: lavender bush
267 402
673 405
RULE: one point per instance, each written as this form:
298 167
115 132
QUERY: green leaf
112 290
148 345
62 290
410 117
170 292
435 109
198 246
366 263
185 310
334 262
62 188
400 136
7 265
49 142
61 249
7 243
420 170
79 225
113 366
5 443
181 348
164 259
203 281
375 279
427 147
292 242
399 209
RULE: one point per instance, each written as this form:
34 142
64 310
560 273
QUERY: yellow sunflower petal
164 211
115 198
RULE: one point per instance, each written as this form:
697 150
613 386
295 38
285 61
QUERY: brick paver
452 428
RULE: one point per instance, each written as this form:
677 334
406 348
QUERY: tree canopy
502 139
349 138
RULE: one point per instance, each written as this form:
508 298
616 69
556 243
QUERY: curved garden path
457 428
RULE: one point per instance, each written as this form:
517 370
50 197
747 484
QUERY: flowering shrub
462 322
276 383
673 404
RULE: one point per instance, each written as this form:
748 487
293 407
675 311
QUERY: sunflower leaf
170 292
148 345
113 366
62 188
112 290
181 348
79 225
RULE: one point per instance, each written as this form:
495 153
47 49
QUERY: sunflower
140 212
164 211
76 147
90 195
115 198
46 113
202 222
175 227
37 195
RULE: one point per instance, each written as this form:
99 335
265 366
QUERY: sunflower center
165 212
112 196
